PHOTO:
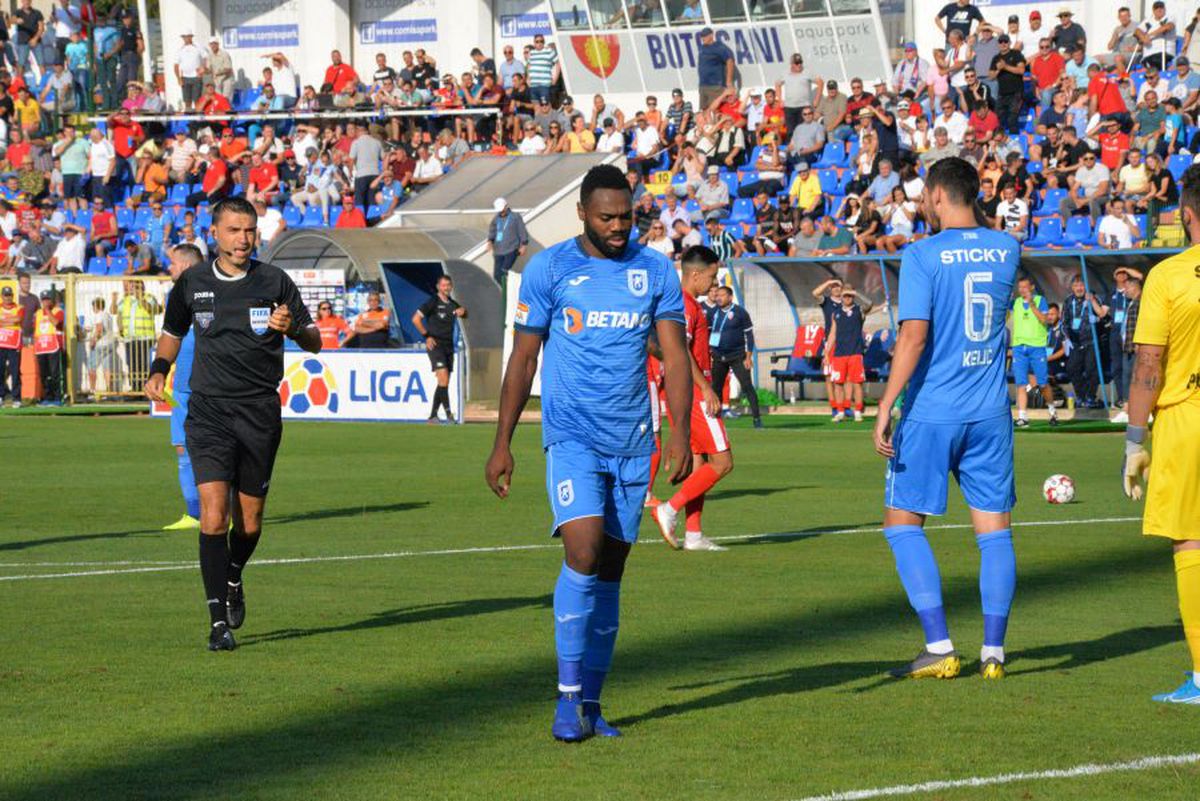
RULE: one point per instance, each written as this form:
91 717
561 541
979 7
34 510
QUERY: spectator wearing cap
753 110
1007 69
796 89
680 112
507 239
47 345
611 140
1067 34
808 139
132 45
69 253
831 111
189 70
1156 34
11 318
986 47
352 216
1185 86
1013 29
713 194
911 74
806 193
219 72
291 177
715 67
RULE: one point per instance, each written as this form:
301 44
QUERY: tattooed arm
1146 383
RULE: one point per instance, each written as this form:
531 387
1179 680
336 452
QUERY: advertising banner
659 60
363 385
261 37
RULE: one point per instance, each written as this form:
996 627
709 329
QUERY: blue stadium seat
374 211
1178 164
731 181
1050 202
179 193
292 216
742 211
97 266
83 218
243 99
124 217
1049 232
692 206
117 265
679 179
834 155
312 218
1033 167
748 229
1078 232
1140 219
334 213
749 177
141 217
831 182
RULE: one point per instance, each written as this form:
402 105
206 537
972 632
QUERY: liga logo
600 53
308 385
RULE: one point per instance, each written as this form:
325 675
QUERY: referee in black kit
435 321
241 310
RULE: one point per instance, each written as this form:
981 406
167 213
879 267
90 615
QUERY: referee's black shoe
221 638
235 605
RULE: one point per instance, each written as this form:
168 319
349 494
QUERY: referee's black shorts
234 440
442 356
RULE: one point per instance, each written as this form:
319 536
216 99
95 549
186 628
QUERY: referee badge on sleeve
259 315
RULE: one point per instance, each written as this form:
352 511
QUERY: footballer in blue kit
183 257
592 303
955 288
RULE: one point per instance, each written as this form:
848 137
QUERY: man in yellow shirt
806 192
1166 383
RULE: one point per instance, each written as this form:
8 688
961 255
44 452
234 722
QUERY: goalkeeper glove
1137 462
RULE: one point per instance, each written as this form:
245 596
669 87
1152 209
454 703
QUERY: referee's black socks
214 559
441 396
241 548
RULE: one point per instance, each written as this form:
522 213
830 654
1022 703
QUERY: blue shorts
979 454
1029 359
178 415
584 483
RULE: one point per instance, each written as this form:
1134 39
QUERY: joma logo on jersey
575 321
203 296
975 255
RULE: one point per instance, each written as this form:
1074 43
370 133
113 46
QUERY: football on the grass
1059 489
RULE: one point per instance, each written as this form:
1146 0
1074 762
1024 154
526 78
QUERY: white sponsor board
386 385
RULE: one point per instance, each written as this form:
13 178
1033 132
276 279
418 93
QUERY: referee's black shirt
237 355
439 319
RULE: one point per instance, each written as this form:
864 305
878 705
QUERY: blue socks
997 583
919 574
601 638
187 485
574 599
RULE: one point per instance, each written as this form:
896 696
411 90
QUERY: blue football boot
1188 693
570 724
600 726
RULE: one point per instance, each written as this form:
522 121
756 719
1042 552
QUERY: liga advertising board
659 60
363 385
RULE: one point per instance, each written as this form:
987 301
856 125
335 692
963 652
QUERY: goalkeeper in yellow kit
1166 382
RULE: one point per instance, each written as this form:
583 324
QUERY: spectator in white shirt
189 70
611 140
953 121
1117 230
69 253
672 211
646 145
188 237
754 110
532 144
270 225
1157 36
102 160
428 170
283 78
1012 214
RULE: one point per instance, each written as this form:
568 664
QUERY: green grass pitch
750 674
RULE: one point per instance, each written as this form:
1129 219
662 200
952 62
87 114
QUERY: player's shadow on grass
764 685
752 492
801 534
344 511
1086 652
21 545
424 613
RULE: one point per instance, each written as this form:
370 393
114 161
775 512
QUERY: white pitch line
123 567
1145 763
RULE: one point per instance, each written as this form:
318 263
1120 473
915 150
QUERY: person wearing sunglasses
333 327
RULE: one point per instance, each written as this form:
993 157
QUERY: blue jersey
595 316
960 280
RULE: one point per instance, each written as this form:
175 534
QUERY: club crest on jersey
259 315
638 281
203 320
566 493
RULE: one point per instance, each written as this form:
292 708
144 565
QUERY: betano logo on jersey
308 385
599 53
575 320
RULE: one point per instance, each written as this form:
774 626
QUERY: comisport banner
659 60
386 385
